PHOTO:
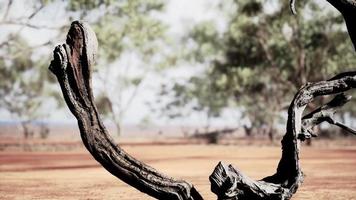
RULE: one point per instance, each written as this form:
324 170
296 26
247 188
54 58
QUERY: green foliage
80 5
264 56
123 28
128 26
207 38
22 80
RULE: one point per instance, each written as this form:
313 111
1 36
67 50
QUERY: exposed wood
72 65
324 113
229 183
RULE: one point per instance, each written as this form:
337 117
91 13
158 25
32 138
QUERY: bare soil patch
330 171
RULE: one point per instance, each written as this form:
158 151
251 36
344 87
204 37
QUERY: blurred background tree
21 85
261 59
23 76
129 34
251 59
131 39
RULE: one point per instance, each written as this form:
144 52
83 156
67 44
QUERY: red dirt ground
330 171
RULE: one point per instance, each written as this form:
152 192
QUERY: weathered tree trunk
72 65
230 183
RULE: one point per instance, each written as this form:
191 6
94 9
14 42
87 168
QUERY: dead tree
72 65
228 182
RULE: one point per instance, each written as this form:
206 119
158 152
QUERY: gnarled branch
229 183
324 113
72 65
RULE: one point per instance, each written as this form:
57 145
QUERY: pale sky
180 15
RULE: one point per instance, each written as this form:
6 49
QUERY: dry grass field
330 171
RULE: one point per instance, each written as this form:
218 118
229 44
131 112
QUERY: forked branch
229 183
324 113
72 65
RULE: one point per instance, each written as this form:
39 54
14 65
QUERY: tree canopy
127 31
263 57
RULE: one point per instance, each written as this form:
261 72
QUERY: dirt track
330 173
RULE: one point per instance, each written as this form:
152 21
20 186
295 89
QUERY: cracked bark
72 65
228 182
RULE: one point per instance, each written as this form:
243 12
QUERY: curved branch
72 65
229 183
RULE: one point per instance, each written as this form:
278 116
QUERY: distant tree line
255 64
123 28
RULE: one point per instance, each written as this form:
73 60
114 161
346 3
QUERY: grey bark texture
72 65
229 183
